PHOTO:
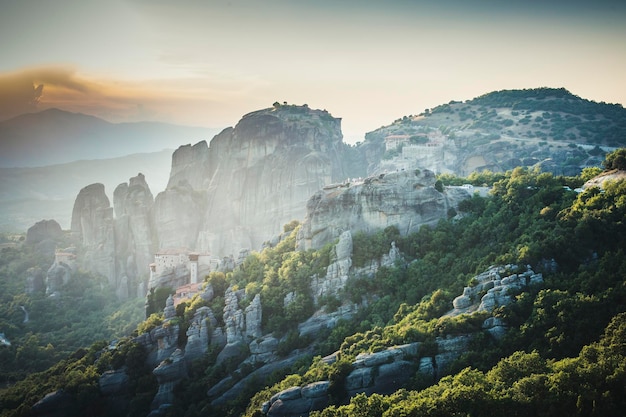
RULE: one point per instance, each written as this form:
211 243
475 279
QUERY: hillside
548 127
285 334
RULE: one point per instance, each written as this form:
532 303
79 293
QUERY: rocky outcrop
382 372
55 404
263 171
322 320
169 373
57 276
190 166
236 326
199 333
44 230
92 221
405 199
337 272
35 280
135 236
488 290
298 401
114 387
254 315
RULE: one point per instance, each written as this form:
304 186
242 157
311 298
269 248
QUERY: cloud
23 91
198 98
18 95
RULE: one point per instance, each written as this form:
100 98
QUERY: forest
562 355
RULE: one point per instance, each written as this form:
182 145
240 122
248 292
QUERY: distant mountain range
30 194
56 136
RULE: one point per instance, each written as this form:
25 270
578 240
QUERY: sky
369 62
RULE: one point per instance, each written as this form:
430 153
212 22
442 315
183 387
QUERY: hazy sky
208 62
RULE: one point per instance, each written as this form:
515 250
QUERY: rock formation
135 238
488 290
169 373
337 272
189 166
43 230
57 276
381 372
405 199
233 194
254 315
257 177
178 215
92 221
199 333
35 280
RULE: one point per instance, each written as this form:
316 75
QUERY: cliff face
135 238
253 179
119 247
92 220
405 199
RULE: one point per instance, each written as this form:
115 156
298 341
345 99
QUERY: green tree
615 160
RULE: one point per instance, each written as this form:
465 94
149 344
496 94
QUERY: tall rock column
92 220
135 233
